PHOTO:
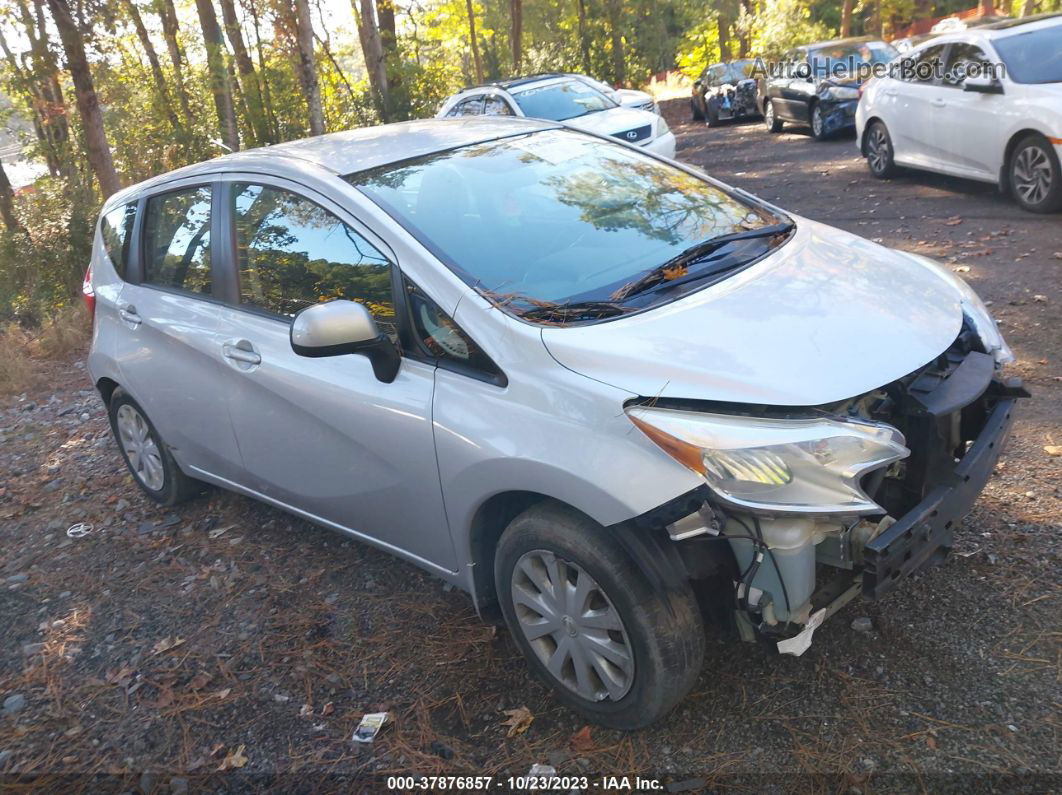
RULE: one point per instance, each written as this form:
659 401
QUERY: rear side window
116 229
177 240
293 253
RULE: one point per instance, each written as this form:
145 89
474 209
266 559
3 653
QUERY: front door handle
128 313
242 352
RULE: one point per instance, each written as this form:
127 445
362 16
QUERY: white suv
566 98
985 104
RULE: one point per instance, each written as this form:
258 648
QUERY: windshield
558 217
560 101
739 70
1033 57
843 58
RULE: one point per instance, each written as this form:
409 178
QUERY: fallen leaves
1053 449
233 759
581 741
166 644
955 220
519 721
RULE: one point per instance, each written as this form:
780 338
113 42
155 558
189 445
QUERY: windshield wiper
678 266
575 310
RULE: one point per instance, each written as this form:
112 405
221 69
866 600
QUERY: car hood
826 317
631 96
612 121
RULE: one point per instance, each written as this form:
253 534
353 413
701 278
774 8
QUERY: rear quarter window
116 230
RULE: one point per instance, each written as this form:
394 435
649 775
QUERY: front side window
1034 56
924 66
116 230
965 60
559 101
293 253
177 240
557 218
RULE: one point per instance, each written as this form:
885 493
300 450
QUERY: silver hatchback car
613 399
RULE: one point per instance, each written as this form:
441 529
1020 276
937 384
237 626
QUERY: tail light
88 293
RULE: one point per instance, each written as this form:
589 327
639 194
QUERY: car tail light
88 293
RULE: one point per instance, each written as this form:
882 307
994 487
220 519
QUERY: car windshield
559 217
739 70
560 101
1034 56
844 58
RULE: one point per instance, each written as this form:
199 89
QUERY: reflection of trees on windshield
663 204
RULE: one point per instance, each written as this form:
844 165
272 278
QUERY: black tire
663 632
817 122
175 487
770 121
1034 176
712 112
877 145
695 110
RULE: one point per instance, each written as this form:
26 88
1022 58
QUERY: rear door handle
241 351
129 315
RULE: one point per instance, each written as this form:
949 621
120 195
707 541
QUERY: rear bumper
925 533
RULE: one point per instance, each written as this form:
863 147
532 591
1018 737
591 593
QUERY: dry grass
59 337
675 85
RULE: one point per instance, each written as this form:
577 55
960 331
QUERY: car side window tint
116 230
177 240
496 106
965 60
925 66
292 253
442 337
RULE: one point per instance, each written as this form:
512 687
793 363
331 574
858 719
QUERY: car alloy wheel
145 459
1033 174
768 116
878 149
572 626
816 121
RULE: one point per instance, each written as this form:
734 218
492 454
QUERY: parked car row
982 102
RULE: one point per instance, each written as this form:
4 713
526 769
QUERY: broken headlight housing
841 93
810 466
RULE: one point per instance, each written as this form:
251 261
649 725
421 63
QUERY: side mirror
340 327
982 85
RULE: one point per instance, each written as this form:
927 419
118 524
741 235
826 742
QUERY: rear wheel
770 121
879 151
1034 174
146 455
614 649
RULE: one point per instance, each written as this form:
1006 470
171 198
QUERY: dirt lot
166 646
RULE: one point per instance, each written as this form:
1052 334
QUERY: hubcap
816 120
1032 174
144 458
572 626
878 150
768 114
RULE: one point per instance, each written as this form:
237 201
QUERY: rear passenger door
325 436
167 350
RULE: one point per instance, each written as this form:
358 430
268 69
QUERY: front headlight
661 126
975 312
842 93
802 465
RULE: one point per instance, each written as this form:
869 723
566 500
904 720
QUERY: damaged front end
837 101
817 505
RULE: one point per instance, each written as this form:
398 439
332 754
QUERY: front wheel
818 123
617 651
695 110
1034 174
770 121
879 151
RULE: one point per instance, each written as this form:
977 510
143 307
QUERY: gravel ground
228 646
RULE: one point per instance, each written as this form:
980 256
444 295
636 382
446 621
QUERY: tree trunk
584 37
252 91
263 75
619 60
846 19
723 26
153 60
474 42
1028 8
88 105
308 66
987 8
7 204
516 11
372 50
220 86
168 15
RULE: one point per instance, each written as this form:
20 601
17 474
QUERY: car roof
999 30
359 149
836 42
1009 25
